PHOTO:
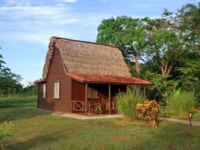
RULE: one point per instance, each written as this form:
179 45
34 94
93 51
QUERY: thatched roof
90 62
89 58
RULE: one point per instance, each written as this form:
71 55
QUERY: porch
96 99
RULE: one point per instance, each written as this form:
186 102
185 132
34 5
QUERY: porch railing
78 105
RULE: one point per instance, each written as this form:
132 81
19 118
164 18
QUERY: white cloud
47 12
40 36
16 2
68 21
29 37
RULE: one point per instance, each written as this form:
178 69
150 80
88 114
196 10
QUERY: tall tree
175 49
128 34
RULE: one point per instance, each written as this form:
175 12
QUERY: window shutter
89 92
44 91
56 90
92 91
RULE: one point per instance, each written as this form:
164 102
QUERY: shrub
149 110
126 103
180 104
4 131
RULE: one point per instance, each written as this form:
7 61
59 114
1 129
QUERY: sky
27 25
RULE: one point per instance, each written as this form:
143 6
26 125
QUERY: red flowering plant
149 110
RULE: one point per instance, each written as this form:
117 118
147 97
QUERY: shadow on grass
40 142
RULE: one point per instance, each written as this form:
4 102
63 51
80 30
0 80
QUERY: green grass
180 104
126 104
18 101
196 116
34 130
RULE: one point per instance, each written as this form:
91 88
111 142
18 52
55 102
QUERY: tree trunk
136 63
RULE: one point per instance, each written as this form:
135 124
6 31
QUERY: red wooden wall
56 74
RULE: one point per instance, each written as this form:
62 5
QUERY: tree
164 48
128 34
9 81
175 49
30 89
1 62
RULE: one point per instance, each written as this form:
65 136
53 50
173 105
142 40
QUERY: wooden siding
78 92
56 74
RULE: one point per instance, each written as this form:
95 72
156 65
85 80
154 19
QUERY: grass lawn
18 101
196 116
43 131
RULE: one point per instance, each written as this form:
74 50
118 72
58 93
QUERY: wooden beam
109 97
144 92
86 88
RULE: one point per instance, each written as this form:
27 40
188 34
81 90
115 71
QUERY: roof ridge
84 41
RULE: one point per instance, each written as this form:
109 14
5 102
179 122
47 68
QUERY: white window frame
56 90
44 91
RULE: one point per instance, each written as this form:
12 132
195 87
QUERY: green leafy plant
98 109
149 110
4 131
126 103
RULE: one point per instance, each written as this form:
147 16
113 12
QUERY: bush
149 110
126 103
181 104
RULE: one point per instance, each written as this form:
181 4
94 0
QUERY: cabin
80 76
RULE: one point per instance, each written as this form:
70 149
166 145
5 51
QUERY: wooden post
38 95
86 88
127 88
144 92
109 98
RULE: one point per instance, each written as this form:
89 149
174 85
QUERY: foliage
126 103
5 129
149 110
181 103
9 81
173 54
98 109
30 89
129 34
161 87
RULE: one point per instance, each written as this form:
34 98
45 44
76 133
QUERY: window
44 91
92 91
56 90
